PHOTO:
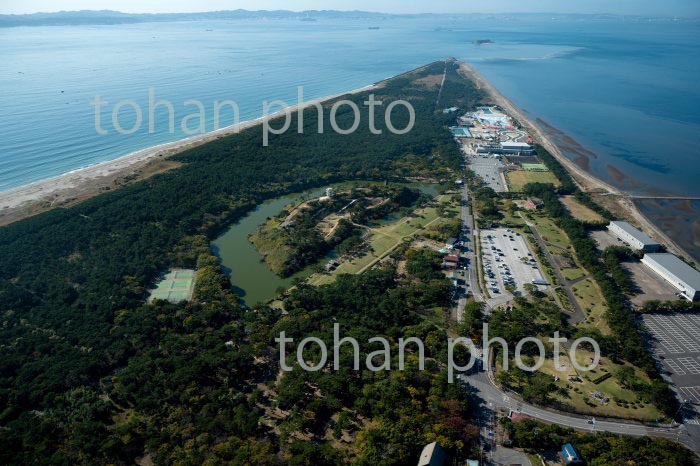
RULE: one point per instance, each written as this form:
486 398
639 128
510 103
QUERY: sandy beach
585 180
83 183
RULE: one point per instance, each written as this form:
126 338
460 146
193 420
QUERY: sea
621 94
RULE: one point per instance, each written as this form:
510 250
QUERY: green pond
250 276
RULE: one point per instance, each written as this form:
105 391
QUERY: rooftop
635 233
570 452
432 455
677 267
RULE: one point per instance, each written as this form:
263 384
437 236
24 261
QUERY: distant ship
373 27
482 41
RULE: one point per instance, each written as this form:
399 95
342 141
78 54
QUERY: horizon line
515 13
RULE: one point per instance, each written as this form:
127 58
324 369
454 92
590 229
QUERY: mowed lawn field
519 178
580 211
549 231
623 403
384 238
591 300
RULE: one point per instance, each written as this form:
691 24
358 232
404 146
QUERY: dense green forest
294 240
600 449
89 374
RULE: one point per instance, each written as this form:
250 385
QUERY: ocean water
625 91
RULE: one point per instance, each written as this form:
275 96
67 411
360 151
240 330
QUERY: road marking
691 364
690 393
675 367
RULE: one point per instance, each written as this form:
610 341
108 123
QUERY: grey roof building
433 455
632 236
679 274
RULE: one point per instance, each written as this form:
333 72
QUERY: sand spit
83 183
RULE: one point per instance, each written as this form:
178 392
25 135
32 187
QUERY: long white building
679 274
633 237
520 148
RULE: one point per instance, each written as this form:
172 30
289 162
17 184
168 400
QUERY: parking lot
677 346
489 168
507 260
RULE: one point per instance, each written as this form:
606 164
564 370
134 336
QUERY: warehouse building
512 148
633 237
679 274
521 148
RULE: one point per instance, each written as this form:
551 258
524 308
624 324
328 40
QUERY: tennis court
175 286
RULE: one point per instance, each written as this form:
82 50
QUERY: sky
634 7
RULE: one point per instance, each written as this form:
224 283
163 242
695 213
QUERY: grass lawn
511 220
623 403
573 273
384 239
591 300
519 178
580 211
550 232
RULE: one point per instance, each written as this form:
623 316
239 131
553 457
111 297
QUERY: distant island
108 17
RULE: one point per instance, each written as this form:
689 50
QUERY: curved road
493 397
484 389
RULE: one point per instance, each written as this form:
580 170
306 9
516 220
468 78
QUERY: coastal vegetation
602 295
90 374
597 449
304 233
593 290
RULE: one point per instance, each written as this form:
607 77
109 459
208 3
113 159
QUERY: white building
522 148
679 274
633 237
433 455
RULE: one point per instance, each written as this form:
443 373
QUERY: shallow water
250 276
627 91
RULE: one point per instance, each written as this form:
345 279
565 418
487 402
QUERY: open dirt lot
605 239
649 285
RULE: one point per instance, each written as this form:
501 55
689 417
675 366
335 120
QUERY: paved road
468 254
494 398
578 314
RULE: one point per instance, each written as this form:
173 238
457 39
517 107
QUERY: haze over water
627 91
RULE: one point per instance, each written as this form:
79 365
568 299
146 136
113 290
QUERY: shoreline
586 181
83 183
